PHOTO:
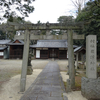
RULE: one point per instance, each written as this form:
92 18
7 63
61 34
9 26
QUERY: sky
51 10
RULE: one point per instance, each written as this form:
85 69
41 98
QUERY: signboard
91 45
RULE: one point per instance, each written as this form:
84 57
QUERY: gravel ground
10 78
10 68
10 73
74 95
62 64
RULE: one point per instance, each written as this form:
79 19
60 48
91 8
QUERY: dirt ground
10 78
74 95
9 68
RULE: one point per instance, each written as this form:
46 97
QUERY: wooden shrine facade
45 49
16 49
51 53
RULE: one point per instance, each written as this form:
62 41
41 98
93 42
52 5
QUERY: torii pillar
25 61
71 59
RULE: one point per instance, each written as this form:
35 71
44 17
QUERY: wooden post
71 58
24 62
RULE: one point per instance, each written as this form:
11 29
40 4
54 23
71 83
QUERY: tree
56 32
14 11
9 32
65 19
90 12
2 35
79 4
91 15
22 7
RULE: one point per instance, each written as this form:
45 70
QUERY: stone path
47 86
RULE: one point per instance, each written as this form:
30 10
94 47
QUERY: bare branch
79 4
74 3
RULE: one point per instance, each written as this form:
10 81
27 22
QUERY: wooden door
53 53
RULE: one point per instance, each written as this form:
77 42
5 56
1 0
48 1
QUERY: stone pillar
29 68
68 87
24 62
91 56
71 59
76 60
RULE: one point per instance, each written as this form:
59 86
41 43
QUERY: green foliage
91 15
56 32
65 19
90 12
2 35
9 33
11 8
13 11
43 32
16 19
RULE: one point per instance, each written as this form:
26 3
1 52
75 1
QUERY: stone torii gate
48 26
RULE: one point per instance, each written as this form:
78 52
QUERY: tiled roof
3 42
12 43
50 44
3 48
19 41
78 49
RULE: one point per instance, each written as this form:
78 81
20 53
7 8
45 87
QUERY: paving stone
43 84
65 98
47 86
29 98
34 92
42 98
55 98
50 88
49 98
56 94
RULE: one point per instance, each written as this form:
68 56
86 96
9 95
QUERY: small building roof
3 47
78 49
19 41
50 44
14 42
4 42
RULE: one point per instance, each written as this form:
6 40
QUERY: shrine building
16 49
4 50
45 49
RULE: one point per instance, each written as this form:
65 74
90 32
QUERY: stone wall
90 88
